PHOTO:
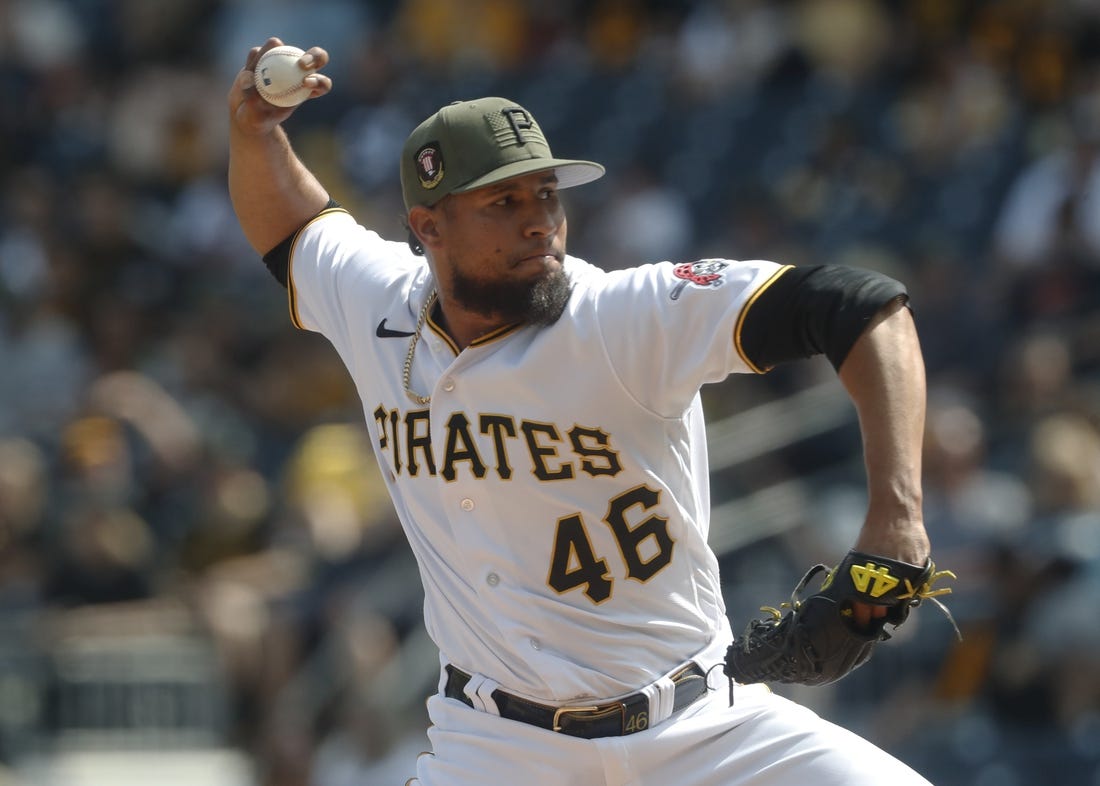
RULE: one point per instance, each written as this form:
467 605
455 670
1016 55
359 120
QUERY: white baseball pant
762 740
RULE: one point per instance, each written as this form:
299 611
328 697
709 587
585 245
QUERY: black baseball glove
814 640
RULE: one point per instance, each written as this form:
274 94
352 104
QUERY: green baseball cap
470 144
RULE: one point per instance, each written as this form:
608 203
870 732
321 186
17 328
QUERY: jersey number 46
646 547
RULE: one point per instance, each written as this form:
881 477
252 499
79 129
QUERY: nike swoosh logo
384 332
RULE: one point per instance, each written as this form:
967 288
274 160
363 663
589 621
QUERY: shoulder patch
705 274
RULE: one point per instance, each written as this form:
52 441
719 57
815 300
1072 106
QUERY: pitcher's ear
423 226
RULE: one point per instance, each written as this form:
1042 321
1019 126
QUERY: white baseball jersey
555 490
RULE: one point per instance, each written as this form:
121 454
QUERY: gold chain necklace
406 376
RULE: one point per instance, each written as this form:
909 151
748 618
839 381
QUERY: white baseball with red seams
278 77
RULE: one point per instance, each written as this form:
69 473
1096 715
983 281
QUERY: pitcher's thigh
471 748
764 740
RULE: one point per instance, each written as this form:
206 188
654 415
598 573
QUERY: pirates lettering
492 445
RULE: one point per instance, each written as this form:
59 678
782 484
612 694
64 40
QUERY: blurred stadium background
201 580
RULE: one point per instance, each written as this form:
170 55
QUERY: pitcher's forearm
273 192
884 375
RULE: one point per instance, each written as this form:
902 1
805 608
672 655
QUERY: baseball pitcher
539 426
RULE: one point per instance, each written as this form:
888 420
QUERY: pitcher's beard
540 301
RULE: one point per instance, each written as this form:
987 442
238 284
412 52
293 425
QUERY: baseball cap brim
569 172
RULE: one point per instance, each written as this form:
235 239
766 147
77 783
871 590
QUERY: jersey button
448 384
536 644
467 504
492 579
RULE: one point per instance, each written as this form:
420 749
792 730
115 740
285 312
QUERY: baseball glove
814 640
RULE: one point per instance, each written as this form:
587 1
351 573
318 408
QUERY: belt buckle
633 713
569 711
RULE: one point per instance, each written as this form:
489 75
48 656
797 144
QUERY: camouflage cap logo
429 165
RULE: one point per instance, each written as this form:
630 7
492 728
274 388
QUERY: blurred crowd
169 442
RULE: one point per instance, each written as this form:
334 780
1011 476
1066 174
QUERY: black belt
612 719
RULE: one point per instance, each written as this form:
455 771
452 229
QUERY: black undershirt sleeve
278 258
813 310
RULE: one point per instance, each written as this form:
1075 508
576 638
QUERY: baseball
279 79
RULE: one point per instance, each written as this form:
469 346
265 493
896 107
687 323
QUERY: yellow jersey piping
495 334
480 340
744 312
436 328
292 295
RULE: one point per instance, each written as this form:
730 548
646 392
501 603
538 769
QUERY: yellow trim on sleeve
745 310
291 293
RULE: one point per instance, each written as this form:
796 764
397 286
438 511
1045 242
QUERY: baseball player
538 424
